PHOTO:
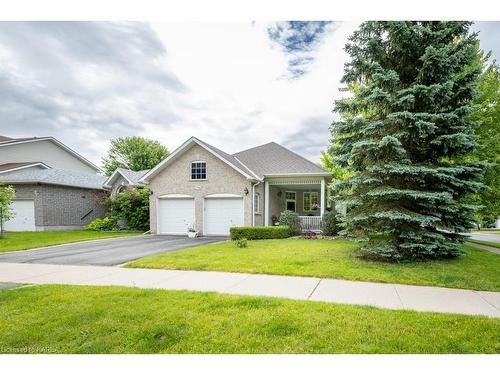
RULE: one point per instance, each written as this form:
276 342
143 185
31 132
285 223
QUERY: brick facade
62 207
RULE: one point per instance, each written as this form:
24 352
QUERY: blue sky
235 85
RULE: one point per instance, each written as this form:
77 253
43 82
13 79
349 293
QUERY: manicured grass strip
28 240
76 319
331 259
486 243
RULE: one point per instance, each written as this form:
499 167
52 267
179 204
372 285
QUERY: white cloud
238 94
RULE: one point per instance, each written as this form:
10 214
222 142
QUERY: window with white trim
198 170
256 203
311 201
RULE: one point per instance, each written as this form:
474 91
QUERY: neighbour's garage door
24 216
175 215
222 214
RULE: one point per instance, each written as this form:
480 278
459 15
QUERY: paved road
106 252
490 237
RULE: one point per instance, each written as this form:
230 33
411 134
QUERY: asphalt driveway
106 252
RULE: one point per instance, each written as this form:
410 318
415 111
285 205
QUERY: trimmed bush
292 220
103 225
330 224
260 233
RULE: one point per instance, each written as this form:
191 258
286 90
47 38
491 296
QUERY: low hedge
260 233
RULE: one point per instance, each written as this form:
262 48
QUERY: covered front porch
305 196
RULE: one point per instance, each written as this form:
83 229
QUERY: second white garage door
222 214
175 215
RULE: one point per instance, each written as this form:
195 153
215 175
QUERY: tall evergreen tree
404 133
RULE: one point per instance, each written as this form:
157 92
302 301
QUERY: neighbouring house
47 150
56 188
205 188
122 179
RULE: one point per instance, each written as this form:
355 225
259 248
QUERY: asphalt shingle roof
7 166
62 177
272 158
229 158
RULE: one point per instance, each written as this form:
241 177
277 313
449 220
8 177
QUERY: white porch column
266 203
323 200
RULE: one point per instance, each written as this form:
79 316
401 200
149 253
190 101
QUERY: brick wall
61 207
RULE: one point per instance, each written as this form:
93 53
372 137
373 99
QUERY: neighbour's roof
4 138
273 159
133 177
7 141
10 166
62 177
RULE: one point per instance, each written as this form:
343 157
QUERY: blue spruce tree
405 134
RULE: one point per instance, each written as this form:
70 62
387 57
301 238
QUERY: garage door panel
175 215
221 214
24 216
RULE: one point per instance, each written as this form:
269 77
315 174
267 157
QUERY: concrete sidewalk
392 296
483 247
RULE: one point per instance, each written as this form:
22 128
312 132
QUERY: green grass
331 259
486 243
28 240
77 319
488 230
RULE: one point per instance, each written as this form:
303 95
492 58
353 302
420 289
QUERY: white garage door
222 214
175 215
24 216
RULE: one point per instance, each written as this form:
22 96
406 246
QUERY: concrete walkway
483 247
392 296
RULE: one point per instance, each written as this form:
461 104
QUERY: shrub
260 233
130 207
241 243
104 224
330 224
292 220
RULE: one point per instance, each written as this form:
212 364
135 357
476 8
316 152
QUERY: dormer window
198 170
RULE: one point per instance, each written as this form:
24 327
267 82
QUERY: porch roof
273 159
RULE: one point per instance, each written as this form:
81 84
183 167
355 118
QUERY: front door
290 200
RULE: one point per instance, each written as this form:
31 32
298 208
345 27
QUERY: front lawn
331 259
77 319
28 240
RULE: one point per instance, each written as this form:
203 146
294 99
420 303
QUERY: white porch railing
310 222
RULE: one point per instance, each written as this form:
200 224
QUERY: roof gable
230 160
6 141
132 177
272 159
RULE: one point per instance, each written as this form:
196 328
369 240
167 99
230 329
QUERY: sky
233 85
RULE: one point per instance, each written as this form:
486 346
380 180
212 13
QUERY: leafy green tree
487 114
7 194
328 163
131 207
134 153
403 132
